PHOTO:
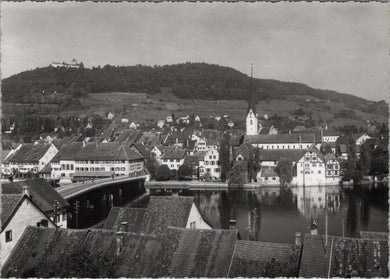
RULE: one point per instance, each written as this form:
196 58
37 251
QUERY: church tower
251 117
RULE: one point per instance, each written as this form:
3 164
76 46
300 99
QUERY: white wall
196 218
210 164
26 215
251 123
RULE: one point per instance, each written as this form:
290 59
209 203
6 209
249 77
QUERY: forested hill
189 80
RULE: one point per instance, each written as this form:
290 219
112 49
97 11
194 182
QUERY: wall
210 165
314 169
26 215
197 218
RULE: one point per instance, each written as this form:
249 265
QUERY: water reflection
277 213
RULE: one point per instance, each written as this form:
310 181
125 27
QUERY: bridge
91 201
73 190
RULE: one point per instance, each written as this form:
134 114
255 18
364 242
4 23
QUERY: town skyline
319 46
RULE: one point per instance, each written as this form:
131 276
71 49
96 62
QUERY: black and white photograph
194 139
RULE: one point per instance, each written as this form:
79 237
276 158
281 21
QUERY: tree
326 149
163 173
184 172
224 156
238 175
284 169
151 165
253 164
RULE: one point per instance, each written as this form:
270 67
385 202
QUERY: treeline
189 80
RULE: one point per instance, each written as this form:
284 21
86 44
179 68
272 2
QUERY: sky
337 46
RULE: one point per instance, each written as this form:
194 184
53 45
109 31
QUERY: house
133 126
197 118
124 120
173 157
272 130
81 160
230 124
329 136
332 169
190 147
209 165
44 196
110 115
283 141
29 159
157 151
344 257
160 123
169 119
360 139
160 213
72 64
310 168
17 212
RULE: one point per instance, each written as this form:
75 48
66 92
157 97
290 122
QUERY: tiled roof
140 148
276 155
281 138
191 160
173 153
189 145
46 169
41 192
44 252
8 204
133 216
243 149
330 156
265 259
202 253
93 173
94 151
213 137
166 211
29 153
329 133
347 257
128 136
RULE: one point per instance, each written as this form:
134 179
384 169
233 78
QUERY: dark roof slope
133 216
97 151
276 155
173 153
29 153
348 257
41 192
166 211
191 160
202 253
8 205
281 138
89 253
265 259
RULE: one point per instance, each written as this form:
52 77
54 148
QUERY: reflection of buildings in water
313 201
209 206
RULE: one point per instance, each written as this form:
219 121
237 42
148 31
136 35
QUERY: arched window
251 122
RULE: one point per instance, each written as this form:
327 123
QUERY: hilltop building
73 64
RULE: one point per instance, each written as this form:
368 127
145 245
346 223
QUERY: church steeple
251 117
251 99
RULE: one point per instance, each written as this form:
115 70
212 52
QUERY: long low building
105 159
283 141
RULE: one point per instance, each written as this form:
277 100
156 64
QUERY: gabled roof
202 253
140 148
46 169
96 151
133 216
10 205
173 153
29 153
265 259
281 138
348 257
166 211
277 155
44 252
41 192
244 149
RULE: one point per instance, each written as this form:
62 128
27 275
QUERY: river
275 214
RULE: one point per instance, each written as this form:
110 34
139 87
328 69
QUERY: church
252 122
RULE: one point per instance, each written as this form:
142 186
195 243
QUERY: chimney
123 227
298 239
26 191
314 228
232 224
119 242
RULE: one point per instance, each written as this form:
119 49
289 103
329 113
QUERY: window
8 236
177 160
319 171
192 225
122 169
314 164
